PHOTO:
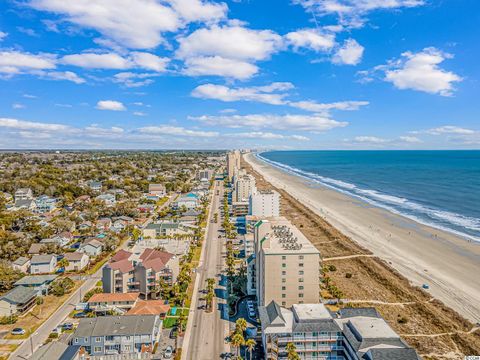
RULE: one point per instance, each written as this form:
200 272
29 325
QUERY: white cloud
370 139
130 79
132 23
410 139
3 35
351 12
27 31
96 131
268 136
272 94
196 10
149 61
13 62
139 113
17 106
176 131
449 129
110 105
420 71
233 42
350 53
29 96
97 61
280 122
310 39
30 125
217 65
61 75
326 107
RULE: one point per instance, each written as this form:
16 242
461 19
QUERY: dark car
80 315
67 326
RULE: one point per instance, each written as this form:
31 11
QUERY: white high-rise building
244 187
265 203
233 163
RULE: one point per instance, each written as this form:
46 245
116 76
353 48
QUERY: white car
168 353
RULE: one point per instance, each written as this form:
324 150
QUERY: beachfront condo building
287 265
318 333
233 163
265 203
244 187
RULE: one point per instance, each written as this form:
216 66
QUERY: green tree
63 263
292 352
240 325
8 276
250 344
236 341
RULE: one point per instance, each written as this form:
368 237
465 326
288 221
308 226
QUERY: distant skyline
194 74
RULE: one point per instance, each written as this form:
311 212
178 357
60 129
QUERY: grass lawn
169 322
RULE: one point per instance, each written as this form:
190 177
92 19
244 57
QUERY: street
206 331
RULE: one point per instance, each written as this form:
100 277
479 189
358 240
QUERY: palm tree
240 325
237 341
63 263
250 344
181 323
292 352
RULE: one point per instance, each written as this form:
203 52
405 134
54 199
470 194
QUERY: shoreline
448 263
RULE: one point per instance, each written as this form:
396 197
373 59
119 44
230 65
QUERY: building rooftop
42 259
284 238
149 307
56 350
22 260
35 280
19 295
116 325
311 312
367 328
111 297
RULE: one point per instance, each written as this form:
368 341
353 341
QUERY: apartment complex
128 273
244 187
287 265
264 203
350 334
233 163
110 335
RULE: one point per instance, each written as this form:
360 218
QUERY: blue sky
283 74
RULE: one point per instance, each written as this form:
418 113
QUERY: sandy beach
448 264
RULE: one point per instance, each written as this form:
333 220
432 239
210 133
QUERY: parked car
18 331
168 353
80 315
67 326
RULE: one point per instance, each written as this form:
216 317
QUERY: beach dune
448 264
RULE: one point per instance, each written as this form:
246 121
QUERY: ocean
436 188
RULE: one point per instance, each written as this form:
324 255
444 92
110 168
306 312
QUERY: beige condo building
287 265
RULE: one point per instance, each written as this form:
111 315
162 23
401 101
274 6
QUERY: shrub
402 320
348 275
39 300
8 320
332 268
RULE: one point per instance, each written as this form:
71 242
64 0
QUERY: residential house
150 307
22 264
39 283
77 261
103 224
17 301
35 249
86 225
121 302
108 199
60 239
189 201
146 208
43 264
94 185
121 222
110 335
157 189
26 204
165 229
45 204
92 248
23 194
189 217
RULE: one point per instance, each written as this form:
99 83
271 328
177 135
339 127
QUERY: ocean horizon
438 188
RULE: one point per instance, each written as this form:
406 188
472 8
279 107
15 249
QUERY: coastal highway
206 331
27 347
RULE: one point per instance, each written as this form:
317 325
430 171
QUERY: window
284 273
284 288
300 257
284 280
98 339
284 303
300 272
300 287
283 296
300 295
300 279
301 264
76 340
284 265
97 349
284 258
86 339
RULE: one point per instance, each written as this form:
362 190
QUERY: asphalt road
206 331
